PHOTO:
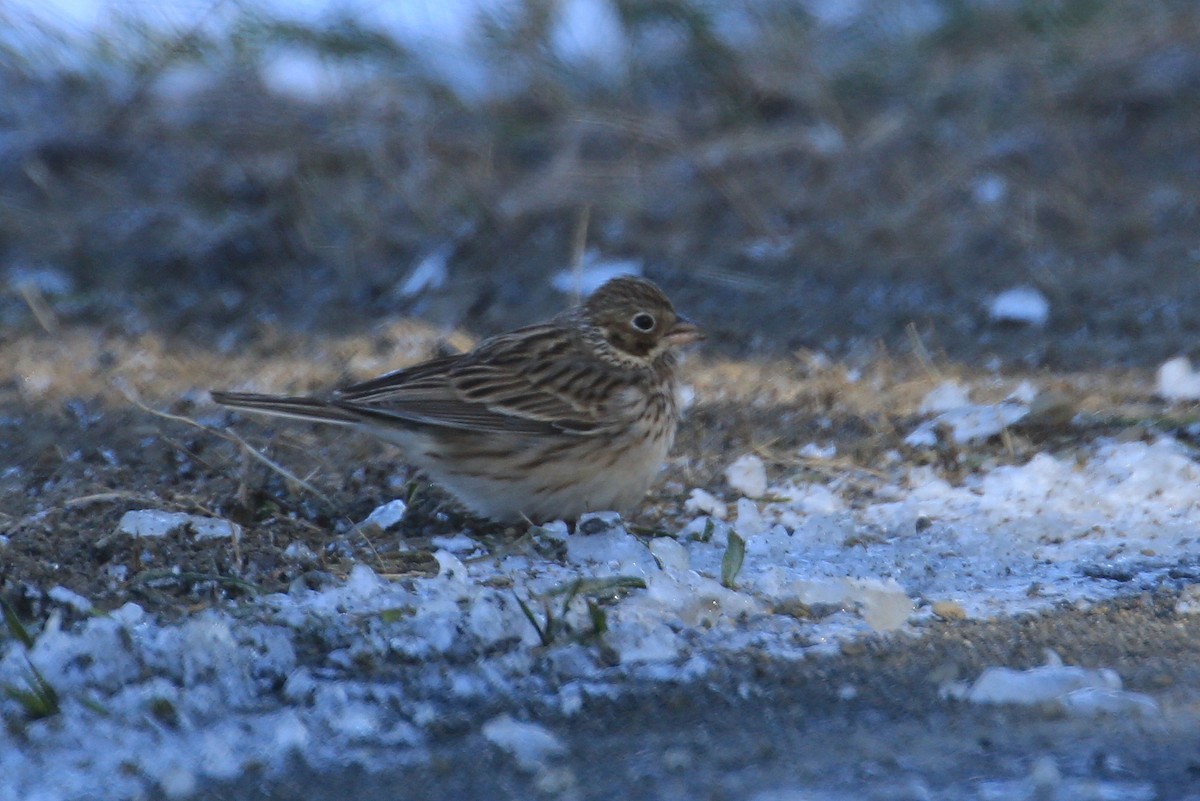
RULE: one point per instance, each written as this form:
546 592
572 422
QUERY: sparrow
546 422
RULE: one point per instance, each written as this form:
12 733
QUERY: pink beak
683 332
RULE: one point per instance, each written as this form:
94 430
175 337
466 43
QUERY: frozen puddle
356 674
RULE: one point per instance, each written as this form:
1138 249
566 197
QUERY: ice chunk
969 423
387 515
671 554
1177 381
944 397
703 502
587 34
594 273
885 604
531 745
429 273
749 520
814 451
1023 305
156 523
1071 688
748 476
62 595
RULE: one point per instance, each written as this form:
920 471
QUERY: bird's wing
529 381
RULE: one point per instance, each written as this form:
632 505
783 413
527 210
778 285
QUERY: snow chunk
588 34
944 397
429 272
594 273
156 523
1022 305
387 515
703 502
1177 381
1068 687
62 595
814 451
968 423
748 476
531 745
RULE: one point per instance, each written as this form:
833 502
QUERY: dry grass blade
229 436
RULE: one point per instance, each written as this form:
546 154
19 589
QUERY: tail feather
282 406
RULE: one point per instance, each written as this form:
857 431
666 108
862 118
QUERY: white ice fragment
814 451
671 554
531 745
685 397
1023 305
652 641
1025 392
299 553
813 499
1092 701
459 543
362 582
748 476
62 595
749 519
611 553
177 781
885 604
387 515
944 397
428 273
968 423
156 523
704 502
450 566
1071 688
923 436
290 732
307 75
594 273
45 280
588 34
1177 381
989 189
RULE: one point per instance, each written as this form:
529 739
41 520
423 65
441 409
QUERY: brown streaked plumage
548 421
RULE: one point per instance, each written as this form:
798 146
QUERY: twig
229 436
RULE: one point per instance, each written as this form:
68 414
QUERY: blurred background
1006 182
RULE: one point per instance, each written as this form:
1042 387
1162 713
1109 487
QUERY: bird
546 422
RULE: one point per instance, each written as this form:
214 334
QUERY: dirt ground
838 230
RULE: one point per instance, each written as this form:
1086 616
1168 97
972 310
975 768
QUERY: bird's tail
282 406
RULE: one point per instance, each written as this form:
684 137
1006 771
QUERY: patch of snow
156 523
588 35
747 475
703 502
814 451
531 745
387 515
968 423
944 397
384 658
1078 690
1177 381
430 271
60 594
594 273
1023 305
989 189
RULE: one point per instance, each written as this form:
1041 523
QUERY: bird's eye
643 322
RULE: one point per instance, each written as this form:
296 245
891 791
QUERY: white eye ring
642 321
